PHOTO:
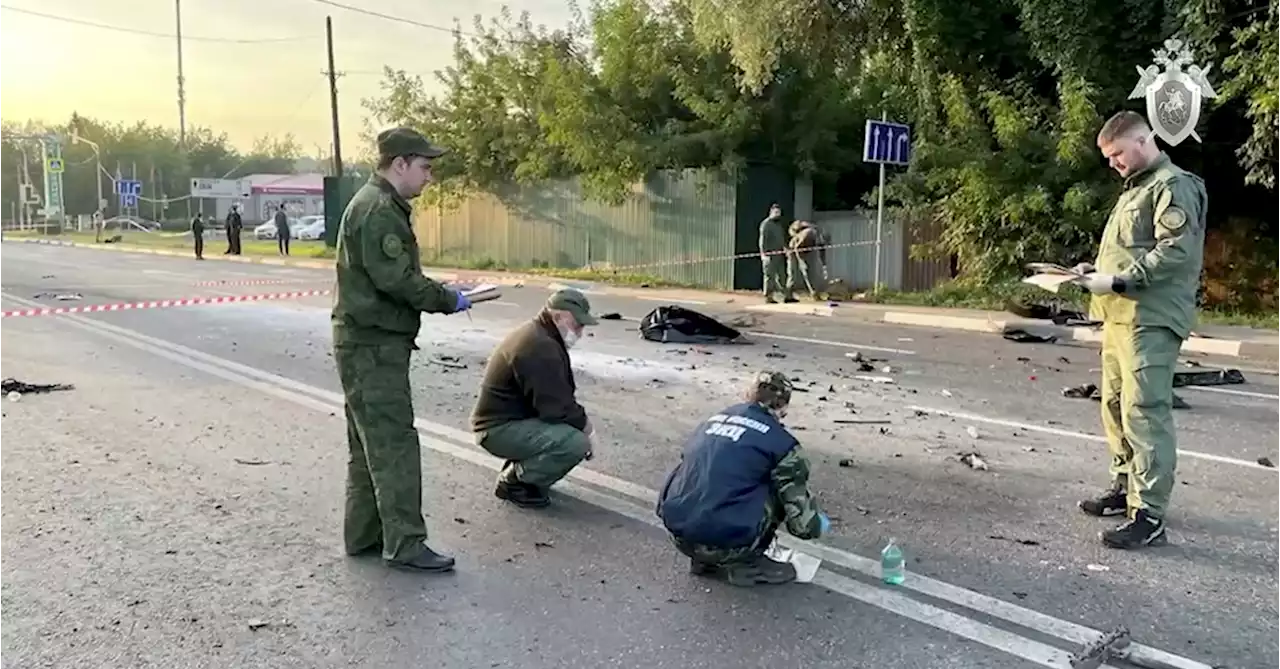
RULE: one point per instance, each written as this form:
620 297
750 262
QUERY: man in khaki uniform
774 256
379 299
1144 292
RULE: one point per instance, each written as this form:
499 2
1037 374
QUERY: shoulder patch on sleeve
392 246
1173 218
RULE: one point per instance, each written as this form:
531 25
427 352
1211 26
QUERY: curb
1232 348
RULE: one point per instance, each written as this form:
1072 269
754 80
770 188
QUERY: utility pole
182 96
333 100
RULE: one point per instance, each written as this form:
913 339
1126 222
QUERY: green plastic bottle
893 565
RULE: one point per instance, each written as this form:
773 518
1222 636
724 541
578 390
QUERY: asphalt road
134 536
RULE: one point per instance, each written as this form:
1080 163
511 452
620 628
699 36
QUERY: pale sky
50 68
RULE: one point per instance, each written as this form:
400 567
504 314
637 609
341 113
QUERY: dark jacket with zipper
528 376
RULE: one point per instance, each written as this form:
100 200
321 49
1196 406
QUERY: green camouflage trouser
806 271
384 473
537 452
716 556
1138 364
775 275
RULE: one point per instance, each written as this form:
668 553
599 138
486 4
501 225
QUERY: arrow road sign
887 143
128 190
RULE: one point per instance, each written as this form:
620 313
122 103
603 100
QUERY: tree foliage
1005 97
149 153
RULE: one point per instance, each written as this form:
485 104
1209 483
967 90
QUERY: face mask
570 338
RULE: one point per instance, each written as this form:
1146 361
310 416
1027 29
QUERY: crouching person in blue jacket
740 477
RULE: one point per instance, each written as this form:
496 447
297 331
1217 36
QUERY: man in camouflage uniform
809 252
378 301
1144 292
741 476
773 256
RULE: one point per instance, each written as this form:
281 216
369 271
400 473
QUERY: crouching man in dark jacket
527 412
740 477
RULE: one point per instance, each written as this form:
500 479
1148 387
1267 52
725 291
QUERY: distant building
300 194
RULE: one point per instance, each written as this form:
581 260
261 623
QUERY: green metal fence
676 225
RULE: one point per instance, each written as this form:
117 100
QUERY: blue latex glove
824 522
463 303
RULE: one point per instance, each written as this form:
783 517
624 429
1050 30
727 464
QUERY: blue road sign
128 190
887 143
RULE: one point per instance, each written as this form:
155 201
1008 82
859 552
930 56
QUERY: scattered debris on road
1216 377
945 393
1266 462
845 462
251 461
12 385
1024 337
1097 567
1111 646
775 354
973 432
875 379
611 316
1024 542
1090 391
860 421
257 624
974 461
449 361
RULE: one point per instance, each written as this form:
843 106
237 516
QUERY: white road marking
828 342
1081 435
887 599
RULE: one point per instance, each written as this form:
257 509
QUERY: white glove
1099 284
1083 268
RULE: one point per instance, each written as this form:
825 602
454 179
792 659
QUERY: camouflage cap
402 141
772 389
574 302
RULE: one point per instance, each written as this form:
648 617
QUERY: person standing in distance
1144 292
774 256
378 301
197 235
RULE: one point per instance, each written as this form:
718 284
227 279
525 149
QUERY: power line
148 33
429 26
389 17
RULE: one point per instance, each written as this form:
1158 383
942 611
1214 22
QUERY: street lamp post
97 179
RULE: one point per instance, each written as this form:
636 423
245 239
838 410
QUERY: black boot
700 568
760 570
1143 530
1113 502
426 560
522 494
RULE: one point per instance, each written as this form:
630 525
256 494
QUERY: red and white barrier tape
258 282
160 304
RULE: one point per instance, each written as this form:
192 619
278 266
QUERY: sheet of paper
1050 282
806 565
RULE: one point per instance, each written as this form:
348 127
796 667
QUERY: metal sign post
885 143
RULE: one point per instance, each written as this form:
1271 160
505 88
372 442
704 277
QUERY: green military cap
771 388
402 141
574 302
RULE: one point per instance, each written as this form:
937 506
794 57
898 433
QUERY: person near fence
527 412
379 297
741 477
773 256
808 246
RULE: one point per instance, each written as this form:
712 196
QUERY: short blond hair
1123 123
